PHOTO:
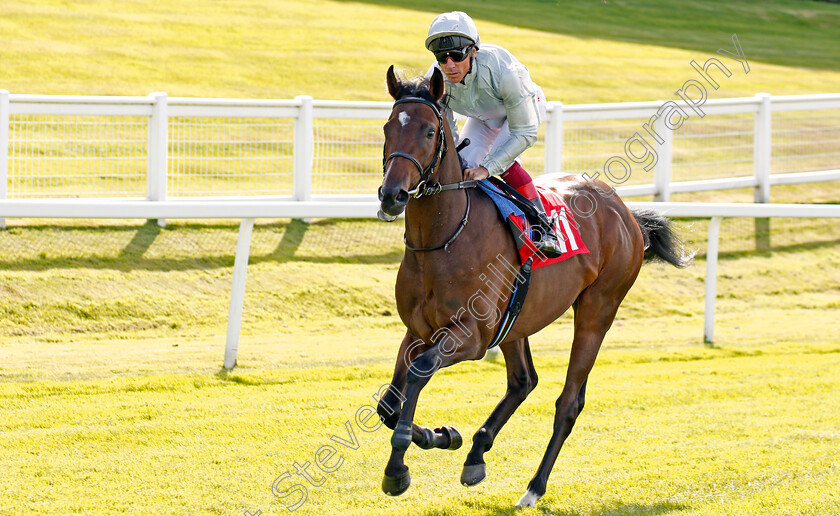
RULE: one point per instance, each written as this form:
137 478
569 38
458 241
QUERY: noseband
440 151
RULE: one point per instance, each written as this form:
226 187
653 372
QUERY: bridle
423 187
440 151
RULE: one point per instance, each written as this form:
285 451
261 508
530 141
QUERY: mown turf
741 430
580 52
123 280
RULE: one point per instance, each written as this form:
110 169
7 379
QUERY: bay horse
452 232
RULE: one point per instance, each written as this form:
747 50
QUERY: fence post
158 147
711 280
762 155
662 169
761 148
237 292
303 149
554 140
4 148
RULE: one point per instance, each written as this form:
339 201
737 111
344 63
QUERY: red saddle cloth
565 227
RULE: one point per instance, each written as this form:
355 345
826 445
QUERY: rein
424 188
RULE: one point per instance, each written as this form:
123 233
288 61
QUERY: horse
452 232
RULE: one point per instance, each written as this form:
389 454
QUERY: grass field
738 430
112 394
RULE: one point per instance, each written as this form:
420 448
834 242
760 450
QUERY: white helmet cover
455 23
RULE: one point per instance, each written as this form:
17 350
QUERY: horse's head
414 140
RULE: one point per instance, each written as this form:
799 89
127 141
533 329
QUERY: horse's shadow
614 509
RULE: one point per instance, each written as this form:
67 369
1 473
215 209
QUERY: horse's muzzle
386 218
392 202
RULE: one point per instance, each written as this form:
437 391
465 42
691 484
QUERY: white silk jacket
498 88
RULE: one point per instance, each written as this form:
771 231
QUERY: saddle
521 217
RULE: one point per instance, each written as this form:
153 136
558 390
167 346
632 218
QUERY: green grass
775 26
735 430
62 280
580 52
253 157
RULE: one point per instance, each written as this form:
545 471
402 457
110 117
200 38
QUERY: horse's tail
661 242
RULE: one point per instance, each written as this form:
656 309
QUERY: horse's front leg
444 353
392 396
390 401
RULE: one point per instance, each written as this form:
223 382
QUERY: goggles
457 55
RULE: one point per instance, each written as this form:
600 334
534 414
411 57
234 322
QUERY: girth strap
517 299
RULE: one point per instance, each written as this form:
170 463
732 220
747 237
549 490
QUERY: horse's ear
393 83
436 87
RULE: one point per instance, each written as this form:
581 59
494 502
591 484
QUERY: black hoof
395 486
452 436
472 475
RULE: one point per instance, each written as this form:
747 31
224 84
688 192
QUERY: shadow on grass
770 31
617 509
133 256
292 238
766 249
142 241
235 377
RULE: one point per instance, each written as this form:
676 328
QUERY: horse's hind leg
521 380
594 313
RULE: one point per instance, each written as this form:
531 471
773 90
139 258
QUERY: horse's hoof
451 435
395 486
473 474
527 500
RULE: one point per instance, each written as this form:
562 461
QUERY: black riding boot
547 243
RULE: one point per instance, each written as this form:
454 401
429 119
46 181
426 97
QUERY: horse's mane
419 87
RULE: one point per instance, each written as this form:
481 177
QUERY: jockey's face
456 71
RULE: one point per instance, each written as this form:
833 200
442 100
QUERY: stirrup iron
549 244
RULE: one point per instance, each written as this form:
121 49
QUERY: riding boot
547 243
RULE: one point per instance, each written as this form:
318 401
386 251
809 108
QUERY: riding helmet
452 30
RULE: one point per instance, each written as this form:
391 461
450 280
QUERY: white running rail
156 157
250 210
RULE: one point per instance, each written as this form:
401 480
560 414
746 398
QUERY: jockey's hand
477 173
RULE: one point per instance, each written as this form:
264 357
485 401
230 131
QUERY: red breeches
518 178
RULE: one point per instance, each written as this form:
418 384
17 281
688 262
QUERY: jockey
503 105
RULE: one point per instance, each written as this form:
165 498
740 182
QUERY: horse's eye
430 133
